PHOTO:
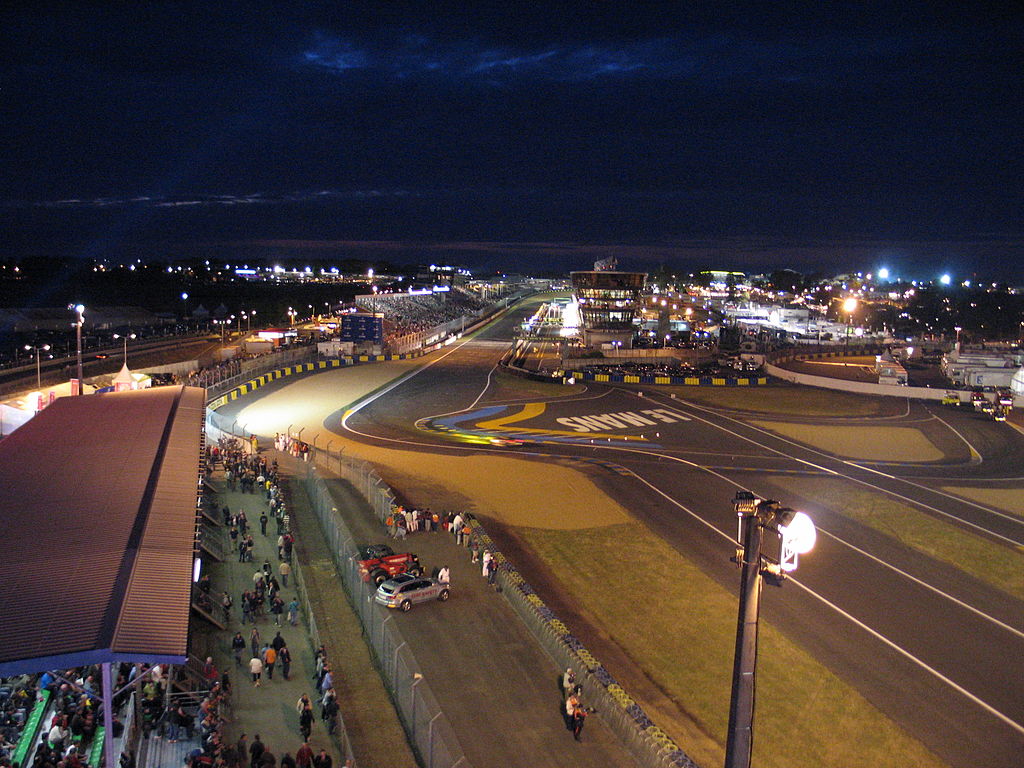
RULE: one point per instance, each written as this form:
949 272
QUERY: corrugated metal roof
98 508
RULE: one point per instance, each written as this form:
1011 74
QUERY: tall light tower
796 535
125 337
849 307
39 369
79 310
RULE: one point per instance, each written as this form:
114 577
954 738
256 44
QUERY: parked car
404 590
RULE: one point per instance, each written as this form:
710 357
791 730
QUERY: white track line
906 654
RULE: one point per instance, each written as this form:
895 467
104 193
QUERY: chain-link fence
428 728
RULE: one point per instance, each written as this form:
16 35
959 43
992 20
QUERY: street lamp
125 337
291 316
79 310
39 372
849 307
796 535
958 329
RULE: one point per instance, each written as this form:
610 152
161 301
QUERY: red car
380 569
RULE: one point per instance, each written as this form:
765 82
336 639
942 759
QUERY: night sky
819 138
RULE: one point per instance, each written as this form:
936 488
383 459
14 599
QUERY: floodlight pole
740 740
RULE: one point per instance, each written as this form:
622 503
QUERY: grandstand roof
98 499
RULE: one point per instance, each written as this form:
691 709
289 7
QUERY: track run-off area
913 597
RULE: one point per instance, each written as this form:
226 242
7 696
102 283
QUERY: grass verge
992 563
1005 499
858 442
787 400
805 715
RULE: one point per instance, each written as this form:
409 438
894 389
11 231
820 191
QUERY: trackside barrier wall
684 381
428 728
859 387
243 384
651 746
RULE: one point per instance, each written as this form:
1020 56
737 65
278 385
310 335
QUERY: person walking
492 570
247 609
306 723
226 602
323 760
254 641
293 611
269 661
285 657
256 670
304 756
238 648
277 608
285 570
256 750
263 523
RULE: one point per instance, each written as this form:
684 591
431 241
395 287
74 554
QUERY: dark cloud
474 120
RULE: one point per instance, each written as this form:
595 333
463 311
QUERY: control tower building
609 302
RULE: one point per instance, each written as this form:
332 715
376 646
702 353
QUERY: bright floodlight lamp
797 535
850 306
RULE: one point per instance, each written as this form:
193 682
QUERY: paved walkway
270 709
